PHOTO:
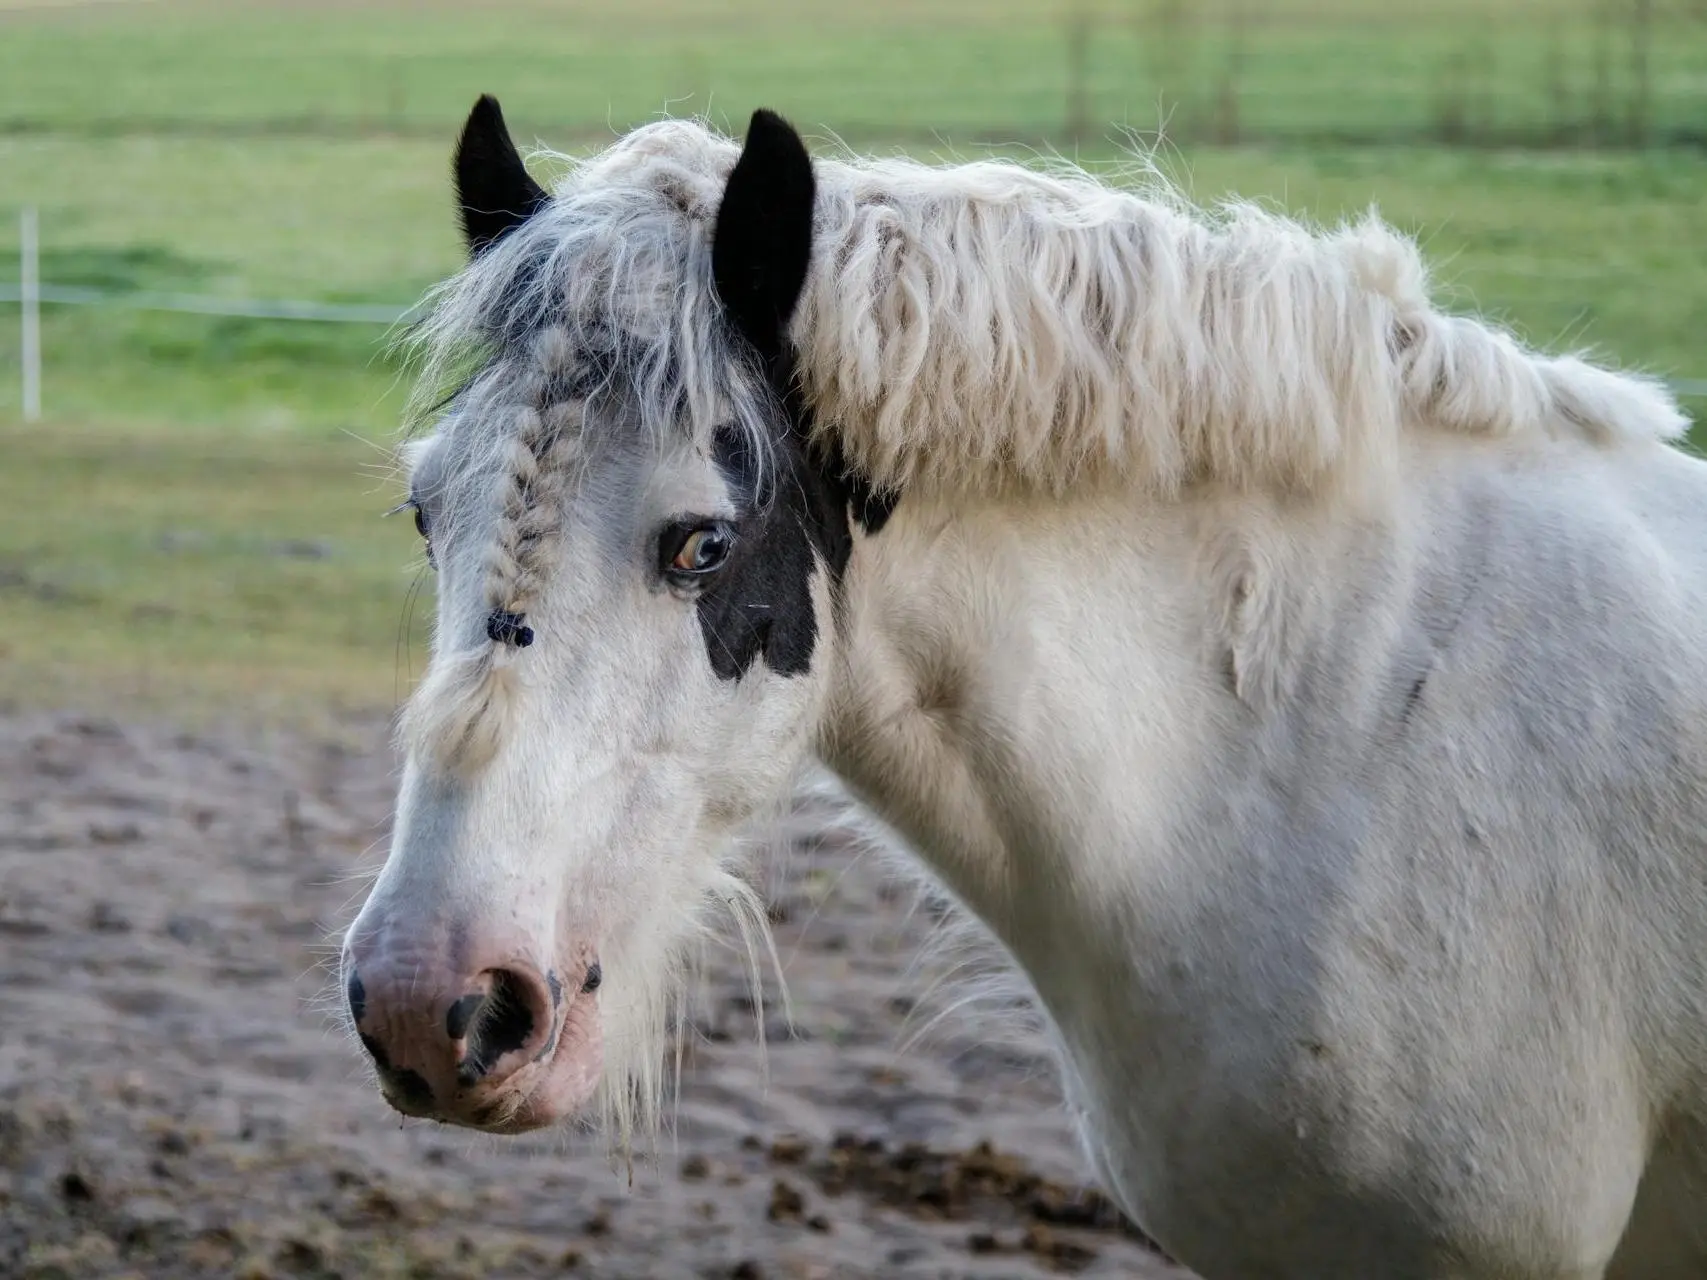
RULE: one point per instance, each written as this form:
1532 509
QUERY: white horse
1307 687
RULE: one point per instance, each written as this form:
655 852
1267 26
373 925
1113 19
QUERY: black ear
763 241
493 189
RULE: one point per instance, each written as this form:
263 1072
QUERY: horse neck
1029 691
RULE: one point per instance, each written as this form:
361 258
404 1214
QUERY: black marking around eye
759 604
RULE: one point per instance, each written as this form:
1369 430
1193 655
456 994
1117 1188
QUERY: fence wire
341 313
245 308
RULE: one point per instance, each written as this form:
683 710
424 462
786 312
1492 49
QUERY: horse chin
560 1095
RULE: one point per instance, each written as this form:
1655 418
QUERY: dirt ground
175 1100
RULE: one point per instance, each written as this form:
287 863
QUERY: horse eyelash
423 525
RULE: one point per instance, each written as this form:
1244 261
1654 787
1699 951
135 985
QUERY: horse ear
493 189
763 241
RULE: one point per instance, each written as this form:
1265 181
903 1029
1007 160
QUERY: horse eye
423 526
691 551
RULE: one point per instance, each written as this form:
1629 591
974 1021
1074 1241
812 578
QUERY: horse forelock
598 313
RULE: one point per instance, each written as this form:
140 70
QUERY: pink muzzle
469 1027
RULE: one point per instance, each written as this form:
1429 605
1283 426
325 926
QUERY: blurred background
1551 154
204 621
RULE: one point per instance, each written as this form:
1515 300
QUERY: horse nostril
460 1016
498 1023
595 976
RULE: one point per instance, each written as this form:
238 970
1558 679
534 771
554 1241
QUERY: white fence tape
336 313
248 308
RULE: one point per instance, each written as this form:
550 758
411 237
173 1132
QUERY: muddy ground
175 1101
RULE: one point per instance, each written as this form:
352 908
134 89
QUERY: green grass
191 577
1532 70
261 150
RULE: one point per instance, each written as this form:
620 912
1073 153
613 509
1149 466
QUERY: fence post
29 293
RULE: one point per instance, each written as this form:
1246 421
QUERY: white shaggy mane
990 322
986 324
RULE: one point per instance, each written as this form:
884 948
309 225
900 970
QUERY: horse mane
985 324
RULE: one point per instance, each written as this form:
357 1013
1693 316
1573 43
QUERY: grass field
195 525
199 578
1304 70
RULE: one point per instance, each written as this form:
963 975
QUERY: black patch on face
356 993
556 986
760 603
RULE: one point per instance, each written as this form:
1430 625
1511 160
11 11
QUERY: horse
1301 682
